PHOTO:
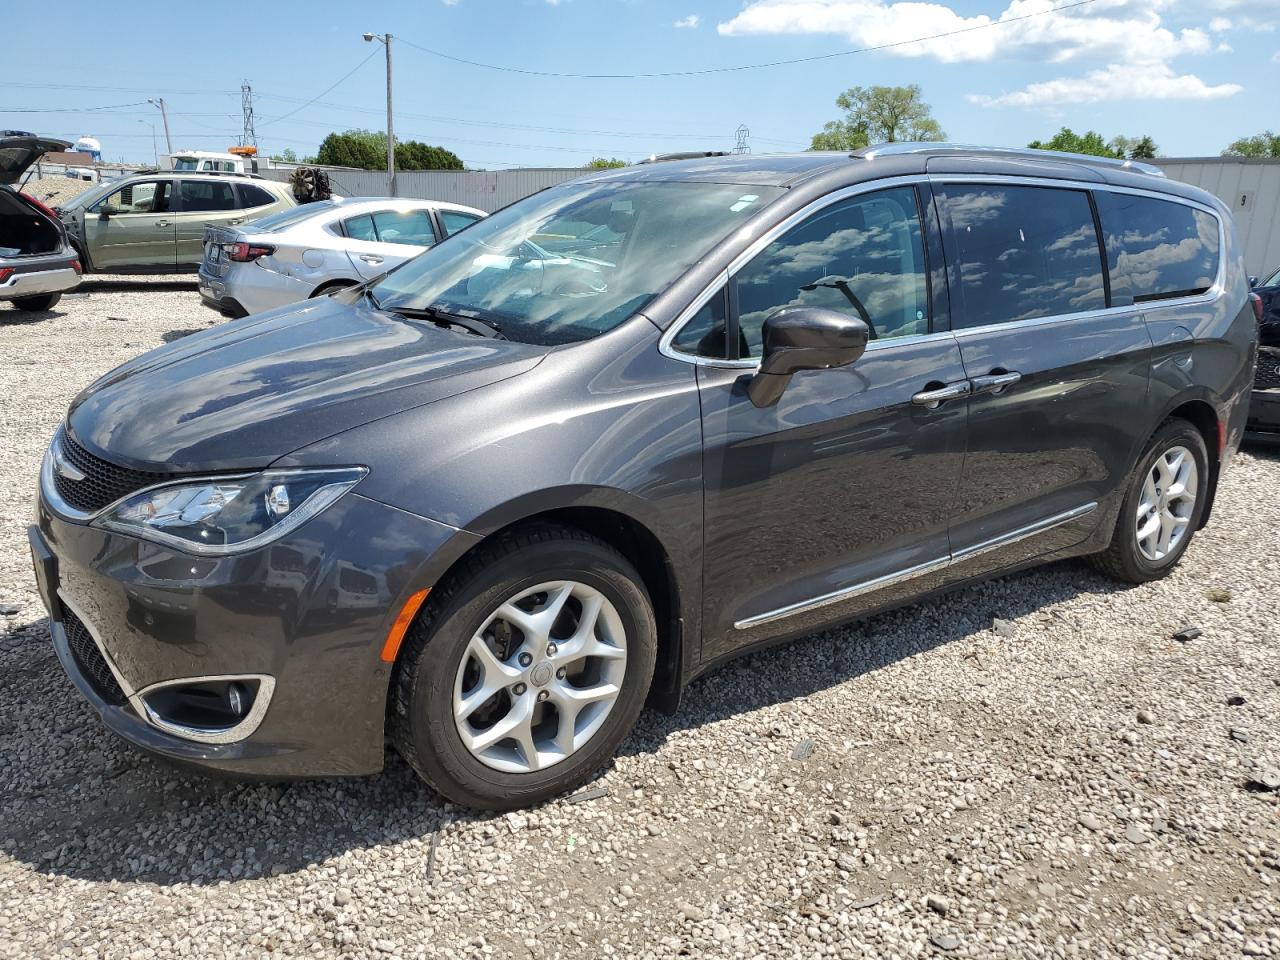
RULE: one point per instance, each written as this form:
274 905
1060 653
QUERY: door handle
932 399
995 383
370 258
162 223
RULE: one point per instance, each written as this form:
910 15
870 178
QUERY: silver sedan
314 249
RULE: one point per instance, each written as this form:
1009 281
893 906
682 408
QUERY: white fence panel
487 190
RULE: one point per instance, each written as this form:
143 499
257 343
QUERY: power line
86 86
116 106
340 81
745 66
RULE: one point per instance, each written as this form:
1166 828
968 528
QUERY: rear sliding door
1059 374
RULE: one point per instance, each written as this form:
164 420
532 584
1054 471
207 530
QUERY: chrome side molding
919 570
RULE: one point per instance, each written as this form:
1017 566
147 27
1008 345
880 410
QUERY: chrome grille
92 664
1268 375
104 483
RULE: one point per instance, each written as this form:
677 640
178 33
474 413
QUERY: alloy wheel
1167 503
540 676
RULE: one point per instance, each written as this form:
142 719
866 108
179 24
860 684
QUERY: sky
1193 74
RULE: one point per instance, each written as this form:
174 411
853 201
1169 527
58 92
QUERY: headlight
224 515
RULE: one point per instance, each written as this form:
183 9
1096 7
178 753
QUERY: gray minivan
493 502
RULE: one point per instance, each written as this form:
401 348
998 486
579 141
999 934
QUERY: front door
1059 403
203 202
838 498
133 227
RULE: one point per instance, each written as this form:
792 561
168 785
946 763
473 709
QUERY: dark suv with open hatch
490 504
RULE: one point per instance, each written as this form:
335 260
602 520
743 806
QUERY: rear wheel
1162 507
46 301
526 670
331 287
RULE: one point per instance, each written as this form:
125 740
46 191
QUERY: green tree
604 163
878 115
1089 143
413 155
285 156
367 150
1144 149
1266 144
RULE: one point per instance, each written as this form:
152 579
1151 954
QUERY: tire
437 664
1128 560
46 301
327 288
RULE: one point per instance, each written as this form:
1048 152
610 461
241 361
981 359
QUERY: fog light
207 709
237 699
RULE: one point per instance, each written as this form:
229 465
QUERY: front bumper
310 611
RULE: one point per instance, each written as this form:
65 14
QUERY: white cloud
1105 28
1119 81
1218 24
687 23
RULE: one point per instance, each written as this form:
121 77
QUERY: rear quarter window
1157 249
254 196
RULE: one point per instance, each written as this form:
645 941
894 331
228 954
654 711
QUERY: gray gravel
1072 783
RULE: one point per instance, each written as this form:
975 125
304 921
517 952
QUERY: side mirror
1253 282
107 212
804 338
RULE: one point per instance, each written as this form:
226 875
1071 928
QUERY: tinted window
1022 252
863 257
1157 248
453 221
206 195
704 334
409 226
360 228
251 196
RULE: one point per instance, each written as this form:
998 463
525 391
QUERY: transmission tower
742 133
248 138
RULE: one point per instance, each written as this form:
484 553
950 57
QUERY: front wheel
46 301
525 670
1162 507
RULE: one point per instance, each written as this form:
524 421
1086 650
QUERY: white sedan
319 247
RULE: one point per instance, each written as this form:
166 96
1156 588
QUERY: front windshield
186 164
575 261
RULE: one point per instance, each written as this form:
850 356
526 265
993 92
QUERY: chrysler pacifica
489 505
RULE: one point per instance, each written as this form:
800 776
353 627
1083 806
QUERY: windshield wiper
477 325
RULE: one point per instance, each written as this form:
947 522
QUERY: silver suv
36 262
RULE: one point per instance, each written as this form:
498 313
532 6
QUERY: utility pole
168 141
385 40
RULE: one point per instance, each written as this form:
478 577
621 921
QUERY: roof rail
1025 153
151 171
687 155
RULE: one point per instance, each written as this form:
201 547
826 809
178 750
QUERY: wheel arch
1202 415
336 283
637 541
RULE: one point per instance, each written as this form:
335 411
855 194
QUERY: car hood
18 151
243 394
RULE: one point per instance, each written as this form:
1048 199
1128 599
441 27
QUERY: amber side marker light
401 626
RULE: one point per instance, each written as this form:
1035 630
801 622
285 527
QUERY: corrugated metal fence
1251 190
485 190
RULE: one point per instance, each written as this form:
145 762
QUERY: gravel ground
1068 782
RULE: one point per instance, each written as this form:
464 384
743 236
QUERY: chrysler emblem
65 468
